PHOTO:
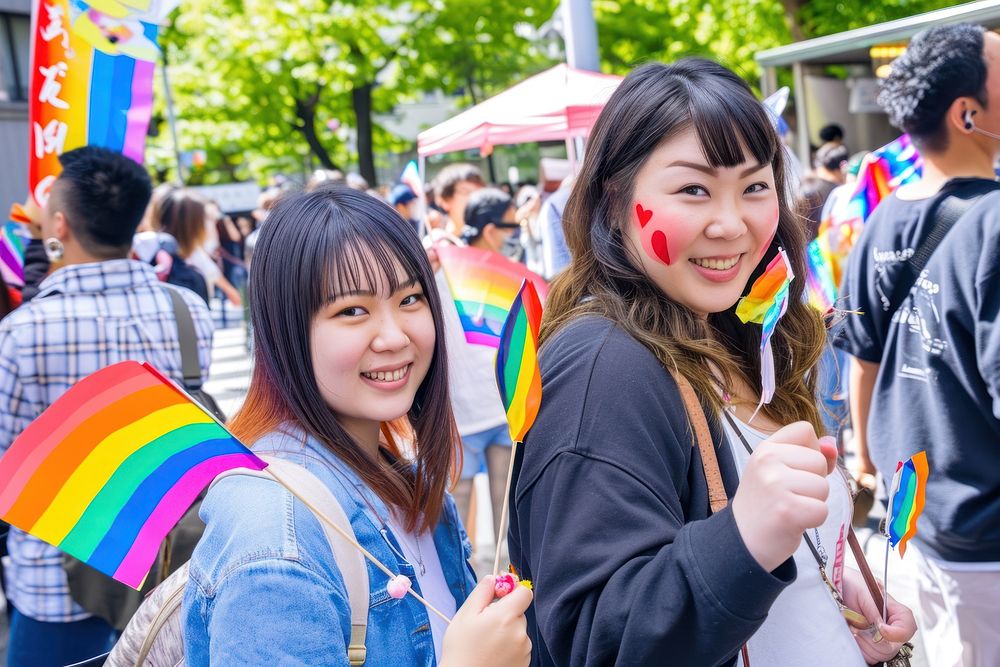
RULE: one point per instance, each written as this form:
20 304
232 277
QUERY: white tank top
804 626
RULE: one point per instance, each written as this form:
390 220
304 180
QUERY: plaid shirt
85 317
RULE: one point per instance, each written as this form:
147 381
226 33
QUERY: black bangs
368 249
728 125
360 264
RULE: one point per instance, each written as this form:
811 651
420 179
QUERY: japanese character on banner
49 94
50 139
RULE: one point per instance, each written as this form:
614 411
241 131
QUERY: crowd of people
666 506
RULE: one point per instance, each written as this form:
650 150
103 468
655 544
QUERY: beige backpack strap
717 497
349 559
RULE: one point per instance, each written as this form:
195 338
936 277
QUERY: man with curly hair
926 348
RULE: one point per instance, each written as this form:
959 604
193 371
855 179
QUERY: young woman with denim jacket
348 365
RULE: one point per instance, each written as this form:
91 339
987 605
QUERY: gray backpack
154 637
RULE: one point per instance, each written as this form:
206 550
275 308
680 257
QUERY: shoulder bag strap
945 213
717 498
349 560
188 339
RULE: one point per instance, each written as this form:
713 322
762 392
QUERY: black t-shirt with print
938 387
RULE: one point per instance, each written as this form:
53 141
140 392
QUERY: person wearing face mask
479 414
491 223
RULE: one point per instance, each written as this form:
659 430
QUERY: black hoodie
611 518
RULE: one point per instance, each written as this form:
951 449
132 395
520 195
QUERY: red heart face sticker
642 215
653 237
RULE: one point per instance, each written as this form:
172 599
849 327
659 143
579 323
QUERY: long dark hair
313 247
652 104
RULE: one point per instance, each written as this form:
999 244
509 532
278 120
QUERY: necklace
384 531
846 611
404 543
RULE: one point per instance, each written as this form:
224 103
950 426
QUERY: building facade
15 43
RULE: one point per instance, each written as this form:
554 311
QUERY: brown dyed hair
652 104
313 247
182 215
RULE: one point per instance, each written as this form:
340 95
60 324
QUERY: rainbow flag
766 302
411 177
518 377
111 466
895 164
909 484
12 243
483 285
92 80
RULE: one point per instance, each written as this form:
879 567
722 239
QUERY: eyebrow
712 171
412 282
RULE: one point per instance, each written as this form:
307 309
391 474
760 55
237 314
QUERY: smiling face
371 350
700 231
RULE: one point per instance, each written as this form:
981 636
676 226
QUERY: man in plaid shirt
98 309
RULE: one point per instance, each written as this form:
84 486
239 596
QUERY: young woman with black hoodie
679 207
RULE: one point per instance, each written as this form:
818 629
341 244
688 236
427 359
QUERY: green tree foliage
267 86
282 85
730 31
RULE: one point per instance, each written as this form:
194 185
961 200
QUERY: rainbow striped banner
112 465
91 80
895 164
907 497
483 285
518 377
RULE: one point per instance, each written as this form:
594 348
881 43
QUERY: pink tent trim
559 103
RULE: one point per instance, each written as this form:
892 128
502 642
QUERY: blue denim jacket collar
449 536
398 631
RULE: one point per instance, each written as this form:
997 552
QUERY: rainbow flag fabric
411 178
92 80
12 243
112 465
909 484
518 377
766 302
895 164
483 285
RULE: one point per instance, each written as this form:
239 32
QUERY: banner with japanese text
91 80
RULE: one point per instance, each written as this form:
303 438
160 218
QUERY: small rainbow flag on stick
483 285
764 305
109 468
906 502
519 379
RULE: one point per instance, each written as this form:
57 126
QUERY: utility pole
171 120
580 33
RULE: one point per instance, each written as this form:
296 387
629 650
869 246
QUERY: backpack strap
944 213
187 337
349 560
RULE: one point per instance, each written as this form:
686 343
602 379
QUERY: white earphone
969 125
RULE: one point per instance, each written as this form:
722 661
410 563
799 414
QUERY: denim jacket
264 588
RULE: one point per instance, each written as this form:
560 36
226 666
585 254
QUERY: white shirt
472 380
804 626
420 551
203 263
